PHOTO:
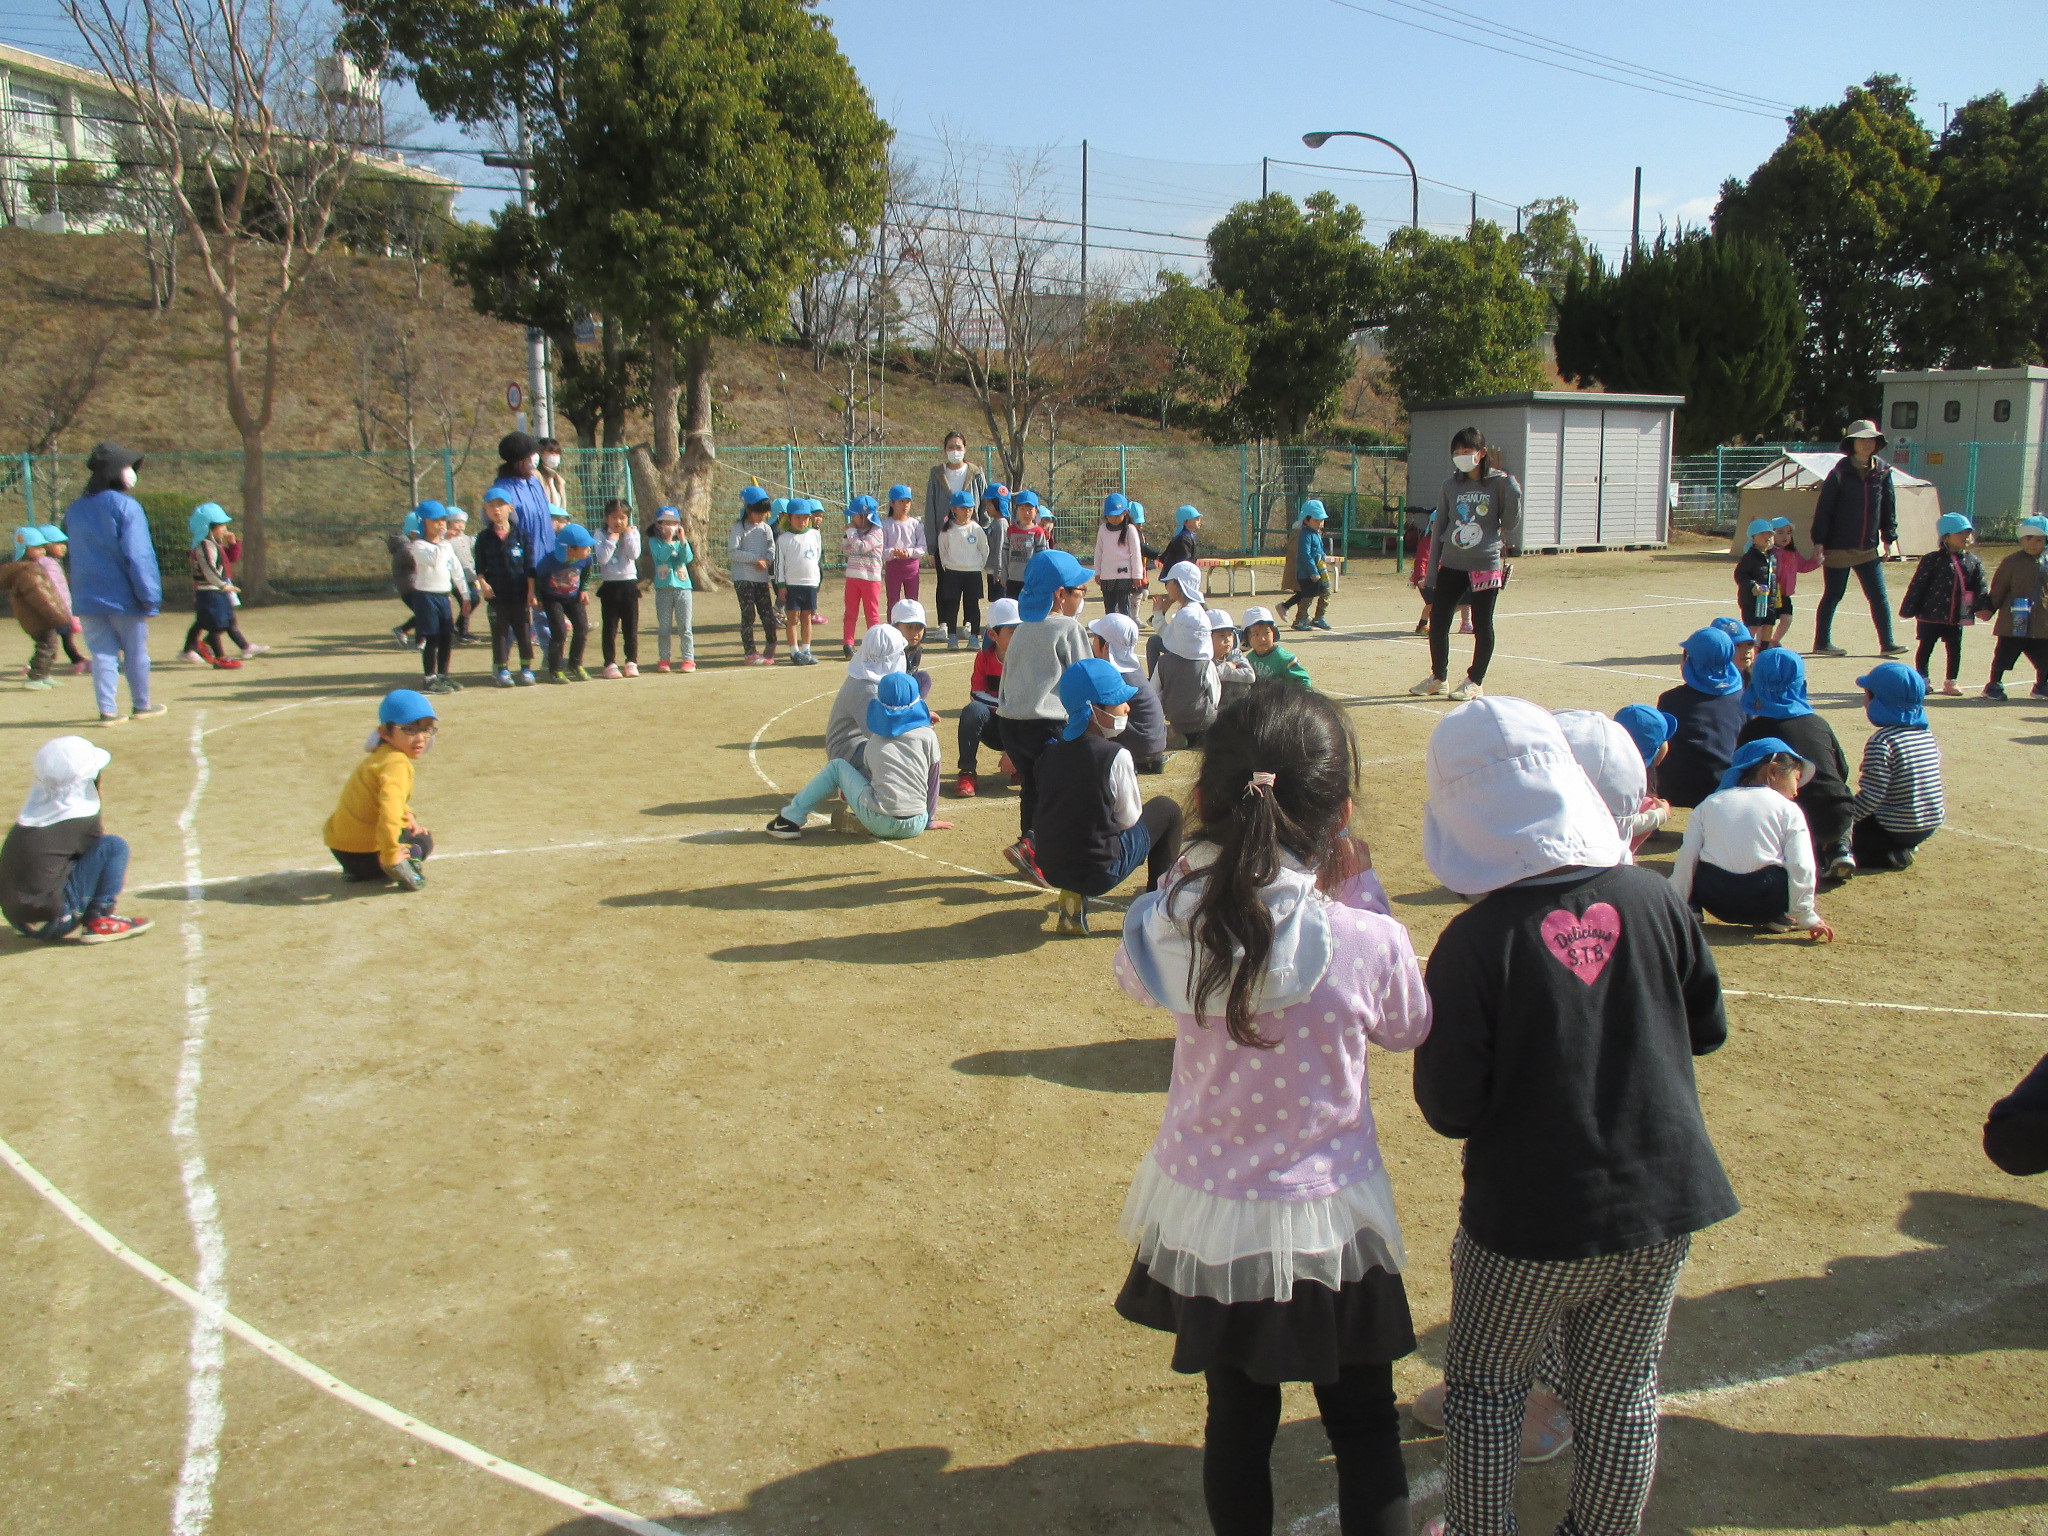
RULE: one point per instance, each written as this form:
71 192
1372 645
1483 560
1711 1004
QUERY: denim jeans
1835 585
90 890
851 782
674 608
119 642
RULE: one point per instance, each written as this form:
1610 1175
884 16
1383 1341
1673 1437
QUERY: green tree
1184 343
1549 245
1715 318
1308 282
1984 300
1462 319
1844 197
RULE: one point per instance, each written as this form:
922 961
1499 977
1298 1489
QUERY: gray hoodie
1475 522
1039 652
750 542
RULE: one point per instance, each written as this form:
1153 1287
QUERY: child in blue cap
56 544
1651 729
1187 529
903 547
1777 706
1048 640
1747 856
863 552
1308 573
32 582
1708 708
372 833
1898 803
1757 593
1025 536
751 550
558 587
898 796
1091 829
213 589
1945 593
2017 592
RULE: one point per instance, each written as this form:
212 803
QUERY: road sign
512 397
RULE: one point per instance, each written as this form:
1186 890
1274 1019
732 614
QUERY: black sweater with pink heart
1567 1017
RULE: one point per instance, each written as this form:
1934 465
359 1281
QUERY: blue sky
1180 99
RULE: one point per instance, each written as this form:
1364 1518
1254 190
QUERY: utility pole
1473 223
540 396
1263 178
1635 219
1084 226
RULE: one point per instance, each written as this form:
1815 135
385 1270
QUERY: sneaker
1995 691
41 684
1428 686
1073 914
1843 868
404 641
1302 624
952 642
1465 627
558 677
1827 650
1467 690
409 874
1421 626
631 669
1894 649
113 719
1775 925
525 678
80 668
1953 691
105 930
579 674
228 664
453 686
785 829
846 653
1319 622
661 666
147 711
197 659
611 670
503 678
963 787
253 650
1025 862
438 685
1902 858
753 659
686 666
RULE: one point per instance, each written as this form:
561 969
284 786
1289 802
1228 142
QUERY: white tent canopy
1805 471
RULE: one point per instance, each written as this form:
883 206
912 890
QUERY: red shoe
105 930
661 666
228 664
964 788
1025 861
686 666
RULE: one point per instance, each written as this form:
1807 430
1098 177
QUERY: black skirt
1309 1338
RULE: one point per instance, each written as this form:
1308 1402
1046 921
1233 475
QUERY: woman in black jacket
1856 516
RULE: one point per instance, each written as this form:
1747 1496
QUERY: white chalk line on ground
1850 1002
192 1504
222 1320
1986 837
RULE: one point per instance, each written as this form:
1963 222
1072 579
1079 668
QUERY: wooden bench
1230 565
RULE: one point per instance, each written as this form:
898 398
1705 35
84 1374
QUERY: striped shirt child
1901 781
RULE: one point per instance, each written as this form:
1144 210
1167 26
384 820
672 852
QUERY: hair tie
1261 784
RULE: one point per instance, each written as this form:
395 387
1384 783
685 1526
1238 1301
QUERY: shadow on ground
285 888
766 803
987 937
1107 1066
826 893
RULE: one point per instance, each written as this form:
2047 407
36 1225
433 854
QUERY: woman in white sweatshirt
1747 857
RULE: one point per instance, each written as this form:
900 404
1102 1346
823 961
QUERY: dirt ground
762 1188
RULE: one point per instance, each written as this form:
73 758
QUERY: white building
1977 433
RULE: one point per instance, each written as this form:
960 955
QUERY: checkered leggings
1608 1316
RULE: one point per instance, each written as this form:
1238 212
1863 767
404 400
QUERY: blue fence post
1970 485
1243 536
28 486
1122 471
846 473
448 473
788 469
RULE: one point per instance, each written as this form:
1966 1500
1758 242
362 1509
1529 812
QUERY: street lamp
1318 140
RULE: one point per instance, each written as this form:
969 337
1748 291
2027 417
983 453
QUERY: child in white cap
979 726
1569 1002
1189 691
907 617
60 872
1179 587
1269 658
1234 674
1114 639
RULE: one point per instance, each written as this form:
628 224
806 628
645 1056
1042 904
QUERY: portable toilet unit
1595 469
1789 486
1977 433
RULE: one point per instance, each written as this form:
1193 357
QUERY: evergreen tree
1463 319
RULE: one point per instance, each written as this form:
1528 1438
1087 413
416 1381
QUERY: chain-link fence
1707 482
328 512
1992 484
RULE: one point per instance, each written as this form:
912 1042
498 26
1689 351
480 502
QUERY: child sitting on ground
1651 730
846 727
1234 674
978 724
674 597
1048 640
1270 1248
1179 587
60 873
898 796
1747 857
1186 674
558 585
1945 593
906 616
1608 754
1776 703
30 581
1898 803
1744 643
1708 709
372 833
2018 589
1114 639
799 570
1092 830
1269 658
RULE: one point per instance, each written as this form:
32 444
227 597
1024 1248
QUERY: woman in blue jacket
1856 516
116 587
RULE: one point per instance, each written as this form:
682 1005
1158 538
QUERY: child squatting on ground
979 726
60 873
372 833
1568 1004
1776 704
1747 856
1092 830
1267 1240
898 796
1898 803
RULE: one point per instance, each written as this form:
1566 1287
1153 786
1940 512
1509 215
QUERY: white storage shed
1595 469
1977 433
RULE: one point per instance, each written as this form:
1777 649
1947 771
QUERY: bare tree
254 155
48 376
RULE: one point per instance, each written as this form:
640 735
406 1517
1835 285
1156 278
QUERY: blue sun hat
1709 665
52 534
427 509
574 536
1114 505
1648 727
1183 515
962 499
1759 525
2037 526
206 517
1897 694
1750 753
28 538
401 706
899 492
752 496
1777 686
896 708
1311 509
1049 570
1025 499
1736 631
1136 512
1000 495
1780 522
1086 684
1952 522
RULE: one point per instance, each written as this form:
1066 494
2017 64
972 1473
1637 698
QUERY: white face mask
1464 463
956 457
551 460
127 477
1111 725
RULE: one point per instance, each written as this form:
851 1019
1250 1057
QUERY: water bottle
2022 611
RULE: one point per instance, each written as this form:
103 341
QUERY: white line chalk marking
192 1504
222 1320
1986 837
1850 1002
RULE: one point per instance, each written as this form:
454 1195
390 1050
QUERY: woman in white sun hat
1855 517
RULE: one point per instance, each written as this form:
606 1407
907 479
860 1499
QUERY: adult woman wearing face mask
550 472
116 587
1854 517
953 474
1478 519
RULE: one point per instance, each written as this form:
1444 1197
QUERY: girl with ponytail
1267 1241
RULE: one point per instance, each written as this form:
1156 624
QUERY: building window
2001 410
32 114
1905 415
1951 410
